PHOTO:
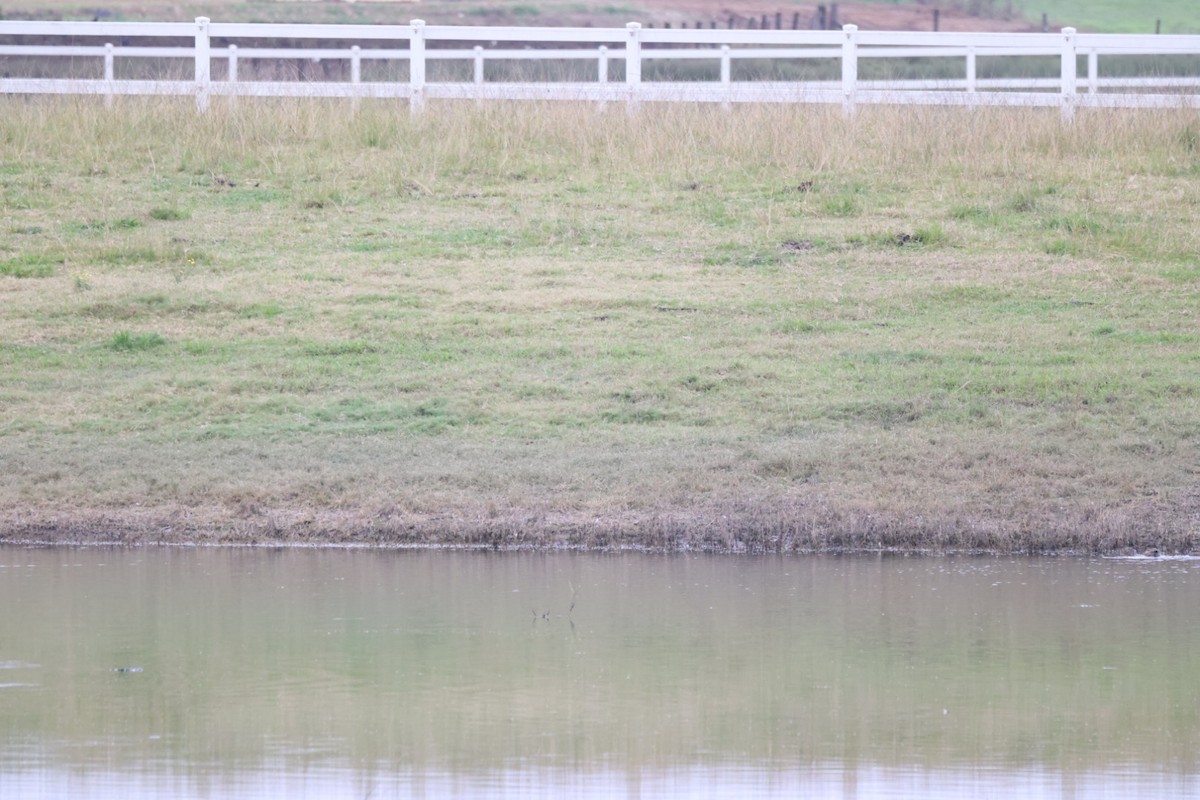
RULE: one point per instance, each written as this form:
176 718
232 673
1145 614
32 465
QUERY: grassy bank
1113 16
770 328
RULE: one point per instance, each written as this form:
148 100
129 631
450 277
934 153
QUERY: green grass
1101 16
126 341
168 214
29 265
1115 16
555 324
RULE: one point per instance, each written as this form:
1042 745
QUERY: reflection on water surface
333 673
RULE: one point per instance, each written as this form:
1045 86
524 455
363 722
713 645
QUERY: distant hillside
1105 16
1176 16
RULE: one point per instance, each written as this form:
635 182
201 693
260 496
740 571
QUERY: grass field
769 329
1099 16
1114 16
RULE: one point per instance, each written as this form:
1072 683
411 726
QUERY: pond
197 672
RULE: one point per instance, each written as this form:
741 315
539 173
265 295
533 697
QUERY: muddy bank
751 525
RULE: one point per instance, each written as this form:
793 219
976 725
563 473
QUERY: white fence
632 46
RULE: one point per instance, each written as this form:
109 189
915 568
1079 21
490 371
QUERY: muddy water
330 673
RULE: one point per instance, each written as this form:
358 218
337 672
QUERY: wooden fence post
416 66
1070 88
203 64
849 68
633 64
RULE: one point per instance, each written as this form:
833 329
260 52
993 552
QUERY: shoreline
662 531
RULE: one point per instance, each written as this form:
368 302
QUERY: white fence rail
631 46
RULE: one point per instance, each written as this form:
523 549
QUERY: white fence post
849 68
633 63
109 72
1069 77
355 75
972 76
726 74
203 64
416 66
602 73
232 77
478 73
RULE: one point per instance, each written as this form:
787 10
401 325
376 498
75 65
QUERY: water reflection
356 673
818 781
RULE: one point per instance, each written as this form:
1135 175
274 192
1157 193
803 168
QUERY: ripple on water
1144 557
